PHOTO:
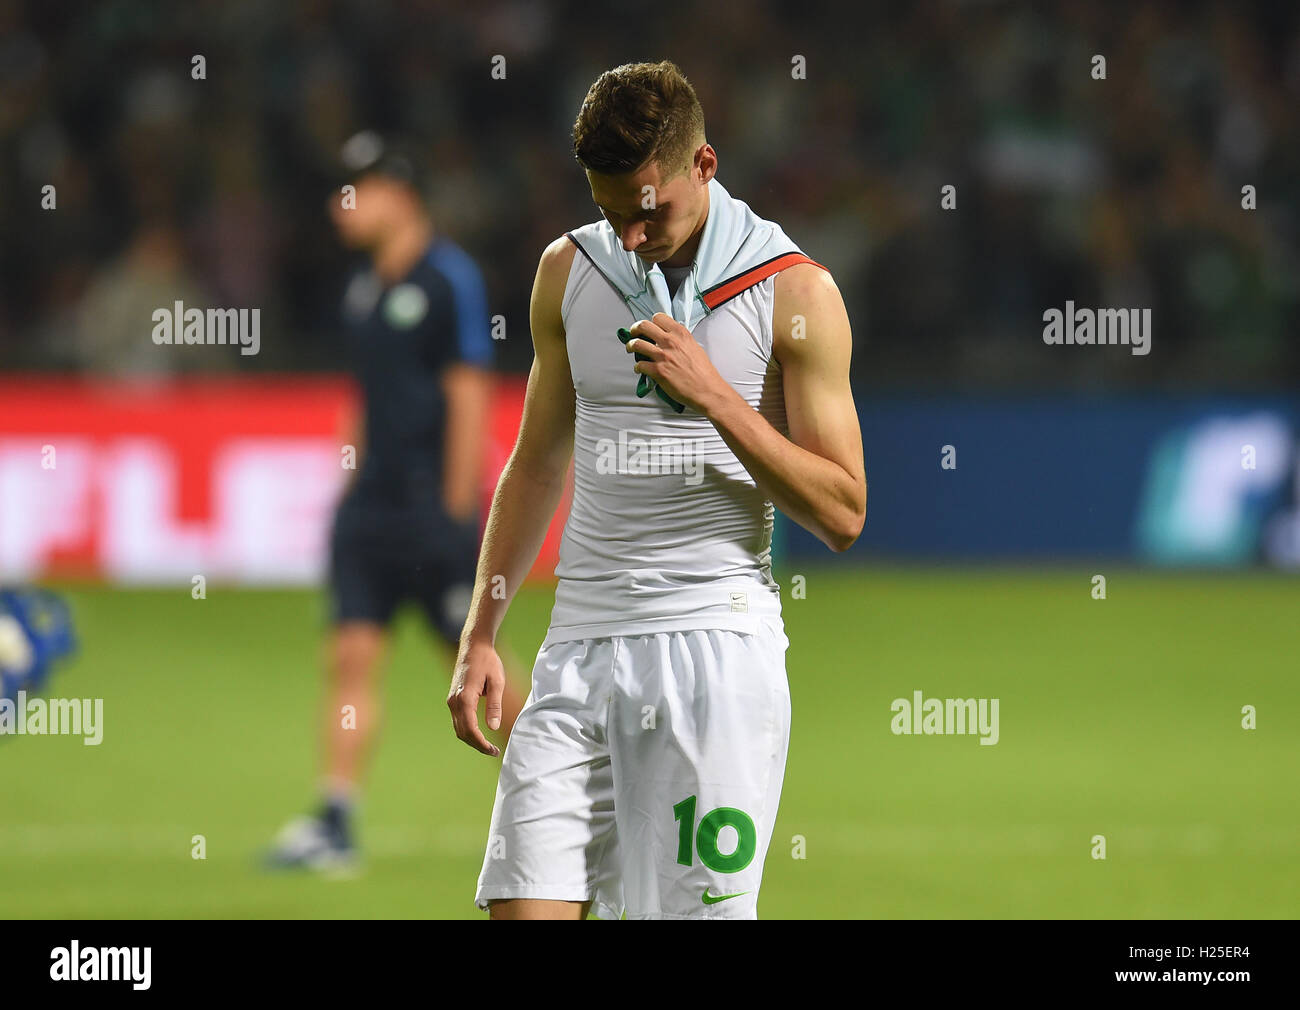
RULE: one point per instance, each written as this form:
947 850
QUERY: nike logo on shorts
713 899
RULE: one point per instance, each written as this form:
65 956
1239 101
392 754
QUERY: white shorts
644 774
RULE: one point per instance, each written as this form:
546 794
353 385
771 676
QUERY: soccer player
644 772
407 528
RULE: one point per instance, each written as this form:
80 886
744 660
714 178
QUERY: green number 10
706 840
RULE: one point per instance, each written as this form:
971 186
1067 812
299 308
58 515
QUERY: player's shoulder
448 265
557 257
805 295
805 281
553 270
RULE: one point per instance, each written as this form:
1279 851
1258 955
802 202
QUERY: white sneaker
308 843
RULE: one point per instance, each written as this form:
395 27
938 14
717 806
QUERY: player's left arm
467 384
468 391
816 476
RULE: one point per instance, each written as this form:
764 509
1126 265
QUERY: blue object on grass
46 623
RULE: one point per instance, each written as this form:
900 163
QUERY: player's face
653 217
361 224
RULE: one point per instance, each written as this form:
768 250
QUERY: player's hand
677 361
478 674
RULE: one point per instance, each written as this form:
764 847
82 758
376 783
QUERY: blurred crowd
842 122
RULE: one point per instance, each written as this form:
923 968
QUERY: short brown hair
635 114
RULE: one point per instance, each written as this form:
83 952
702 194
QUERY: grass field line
42 841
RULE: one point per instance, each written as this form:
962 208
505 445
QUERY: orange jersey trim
728 289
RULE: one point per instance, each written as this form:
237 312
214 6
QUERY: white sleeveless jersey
667 530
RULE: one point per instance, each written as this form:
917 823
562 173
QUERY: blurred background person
407 527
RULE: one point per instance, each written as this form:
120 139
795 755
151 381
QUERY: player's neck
684 256
398 253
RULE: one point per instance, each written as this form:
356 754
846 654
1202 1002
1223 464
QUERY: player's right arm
526 498
352 432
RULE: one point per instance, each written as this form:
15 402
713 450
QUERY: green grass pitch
1118 717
